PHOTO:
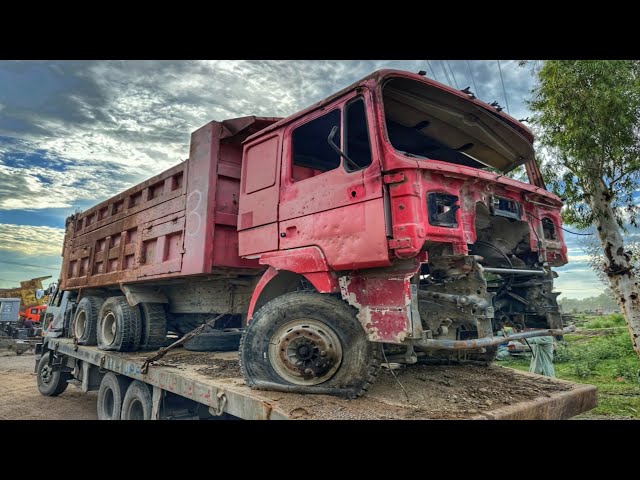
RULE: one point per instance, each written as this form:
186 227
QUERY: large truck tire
215 341
154 326
51 382
111 395
138 402
85 321
119 326
310 341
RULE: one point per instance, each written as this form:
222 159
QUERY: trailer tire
215 341
119 326
298 327
51 382
154 326
85 321
111 395
138 403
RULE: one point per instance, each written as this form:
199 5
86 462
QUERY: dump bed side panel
133 235
181 222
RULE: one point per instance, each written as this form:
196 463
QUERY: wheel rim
46 373
81 324
136 410
109 402
109 327
305 352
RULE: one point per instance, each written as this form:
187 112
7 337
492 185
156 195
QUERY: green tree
588 112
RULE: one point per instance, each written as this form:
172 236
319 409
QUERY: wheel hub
305 352
109 328
80 325
45 373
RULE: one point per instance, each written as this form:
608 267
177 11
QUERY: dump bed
180 222
434 391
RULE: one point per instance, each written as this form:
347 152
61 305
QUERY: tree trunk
617 262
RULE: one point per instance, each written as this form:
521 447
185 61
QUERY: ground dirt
212 367
434 392
21 400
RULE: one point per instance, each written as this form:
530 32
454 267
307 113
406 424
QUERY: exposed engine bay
502 282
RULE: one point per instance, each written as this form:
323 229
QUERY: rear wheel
110 396
51 380
85 321
119 326
137 403
309 340
154 326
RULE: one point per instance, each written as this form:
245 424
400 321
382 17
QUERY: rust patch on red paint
383 303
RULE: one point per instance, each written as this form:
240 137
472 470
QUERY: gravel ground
21 400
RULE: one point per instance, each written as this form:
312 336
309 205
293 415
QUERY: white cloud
135 117
31 240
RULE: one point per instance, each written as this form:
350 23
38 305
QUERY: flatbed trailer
213 380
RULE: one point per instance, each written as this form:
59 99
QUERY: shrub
587 357
585 365
628 369
617 319
594 324
563 353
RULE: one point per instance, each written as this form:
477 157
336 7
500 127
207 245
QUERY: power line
28 265
445 73
503 89
432 71
453 75
473 80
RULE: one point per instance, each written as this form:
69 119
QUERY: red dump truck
380 222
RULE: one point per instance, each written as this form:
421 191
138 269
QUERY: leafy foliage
588 112
586 358
613 320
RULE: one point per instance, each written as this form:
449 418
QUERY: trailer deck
434 391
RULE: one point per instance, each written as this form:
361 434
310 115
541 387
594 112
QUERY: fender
285 269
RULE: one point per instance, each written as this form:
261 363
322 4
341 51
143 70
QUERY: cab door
330 200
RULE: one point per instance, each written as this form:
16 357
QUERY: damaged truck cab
392 196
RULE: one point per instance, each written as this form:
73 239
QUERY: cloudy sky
73 133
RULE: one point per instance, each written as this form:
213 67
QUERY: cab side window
358 146
312 154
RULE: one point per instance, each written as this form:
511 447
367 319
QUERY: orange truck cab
33 313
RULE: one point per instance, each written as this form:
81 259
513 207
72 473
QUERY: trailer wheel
137 403
110 396
154 326
309 340
85 321
215 341
119 326
51 382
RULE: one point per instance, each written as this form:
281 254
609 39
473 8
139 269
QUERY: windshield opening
426 122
